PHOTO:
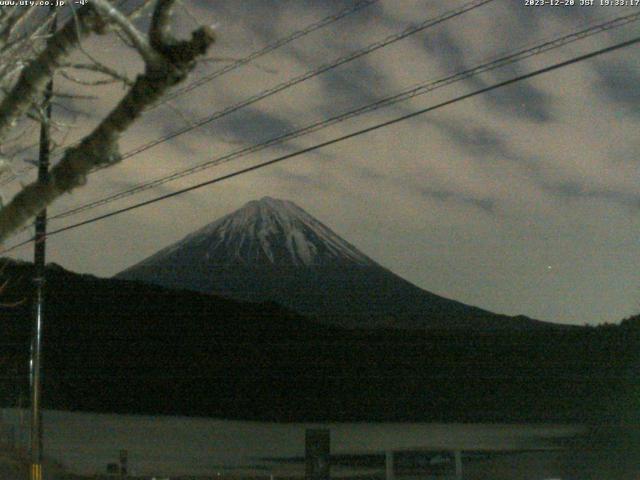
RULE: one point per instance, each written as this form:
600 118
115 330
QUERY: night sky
520 201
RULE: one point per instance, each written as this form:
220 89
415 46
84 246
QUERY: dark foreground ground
122 347
577 464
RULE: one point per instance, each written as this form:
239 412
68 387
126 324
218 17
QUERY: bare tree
25 70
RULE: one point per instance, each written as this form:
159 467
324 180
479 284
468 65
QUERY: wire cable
267 49
412 92
342 138
236 64
411 30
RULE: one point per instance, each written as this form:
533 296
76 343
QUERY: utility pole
39 281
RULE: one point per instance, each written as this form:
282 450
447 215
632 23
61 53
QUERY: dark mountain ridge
127 347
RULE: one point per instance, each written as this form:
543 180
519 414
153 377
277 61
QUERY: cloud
267 21
475 139
486 204
252 126
445 47
576 191
520 100
352 86
619 82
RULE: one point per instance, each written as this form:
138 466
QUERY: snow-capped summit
272 250
264 232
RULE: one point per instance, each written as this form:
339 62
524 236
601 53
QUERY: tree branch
35 76
96 67
113 16
172 61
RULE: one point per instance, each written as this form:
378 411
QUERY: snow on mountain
272 250
265 232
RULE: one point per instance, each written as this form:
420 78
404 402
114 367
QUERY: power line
411 30
268 49
413 91
333 141
238 63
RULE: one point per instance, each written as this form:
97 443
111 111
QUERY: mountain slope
272 250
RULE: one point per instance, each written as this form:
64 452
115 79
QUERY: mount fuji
272 250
